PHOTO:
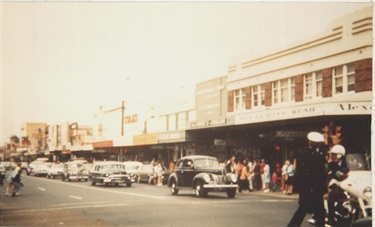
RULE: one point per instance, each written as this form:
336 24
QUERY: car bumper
73 177
220 186
120 179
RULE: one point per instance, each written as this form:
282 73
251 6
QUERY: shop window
313 85
343 79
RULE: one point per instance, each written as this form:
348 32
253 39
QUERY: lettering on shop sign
303 110
355 107
131 119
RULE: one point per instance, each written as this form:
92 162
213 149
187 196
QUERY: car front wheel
199 190
173 188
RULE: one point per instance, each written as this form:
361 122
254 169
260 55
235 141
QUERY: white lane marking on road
103 190
64 208
42 189
80 203
75 197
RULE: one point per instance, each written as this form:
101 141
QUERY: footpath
277 194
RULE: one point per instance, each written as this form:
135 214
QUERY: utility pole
122 128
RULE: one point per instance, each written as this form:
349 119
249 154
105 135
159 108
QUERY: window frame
344 76
316 86
241 96
277 88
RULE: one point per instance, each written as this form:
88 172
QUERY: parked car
132 167
33 164
55 170
74 171
40 169
110 172
203 174
146 174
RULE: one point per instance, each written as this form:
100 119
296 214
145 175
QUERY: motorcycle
355 209
357 187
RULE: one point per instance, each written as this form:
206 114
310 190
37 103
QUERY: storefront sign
131 119
145 139
208 123
172 136
323 109
290 134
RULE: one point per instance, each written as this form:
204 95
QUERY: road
52 202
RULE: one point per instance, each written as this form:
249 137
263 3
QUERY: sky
60 61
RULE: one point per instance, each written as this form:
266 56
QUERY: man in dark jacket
337 164
311 179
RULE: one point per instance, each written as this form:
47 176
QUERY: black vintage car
110 173
202 174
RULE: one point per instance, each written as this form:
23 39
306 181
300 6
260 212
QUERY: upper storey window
283 91
343 79
239 99
258 93
313 85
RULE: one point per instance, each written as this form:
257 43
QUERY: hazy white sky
61 61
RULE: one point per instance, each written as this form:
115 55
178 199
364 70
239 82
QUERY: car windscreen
111 166
206 163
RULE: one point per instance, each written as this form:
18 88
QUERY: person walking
262 175
267 176
290 181
311 180
159 174
15 184
257 178
244 182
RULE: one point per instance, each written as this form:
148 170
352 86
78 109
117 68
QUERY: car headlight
233 178
206 177
106 175
367 192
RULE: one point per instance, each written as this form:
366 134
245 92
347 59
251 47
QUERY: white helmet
338 149
315 137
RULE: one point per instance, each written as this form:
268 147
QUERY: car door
187 173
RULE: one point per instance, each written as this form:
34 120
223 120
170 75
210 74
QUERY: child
274 181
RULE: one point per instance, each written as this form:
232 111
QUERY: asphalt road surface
52 202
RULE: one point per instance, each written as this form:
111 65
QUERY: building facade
322 84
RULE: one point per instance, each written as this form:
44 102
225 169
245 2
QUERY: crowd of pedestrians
256 175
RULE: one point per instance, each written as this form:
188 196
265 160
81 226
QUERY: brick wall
230 101
363 75
299 88
327 82
268 94
247 91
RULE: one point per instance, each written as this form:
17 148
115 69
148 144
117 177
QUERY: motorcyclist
336 164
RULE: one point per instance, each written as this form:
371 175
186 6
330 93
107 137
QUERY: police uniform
311 179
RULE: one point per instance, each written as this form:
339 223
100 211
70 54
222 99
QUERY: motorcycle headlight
233 178
206 177
367 192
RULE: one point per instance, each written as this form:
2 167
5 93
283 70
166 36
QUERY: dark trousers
315 206
244 185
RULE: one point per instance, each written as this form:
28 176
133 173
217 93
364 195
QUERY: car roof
133 163
197 157
107 162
